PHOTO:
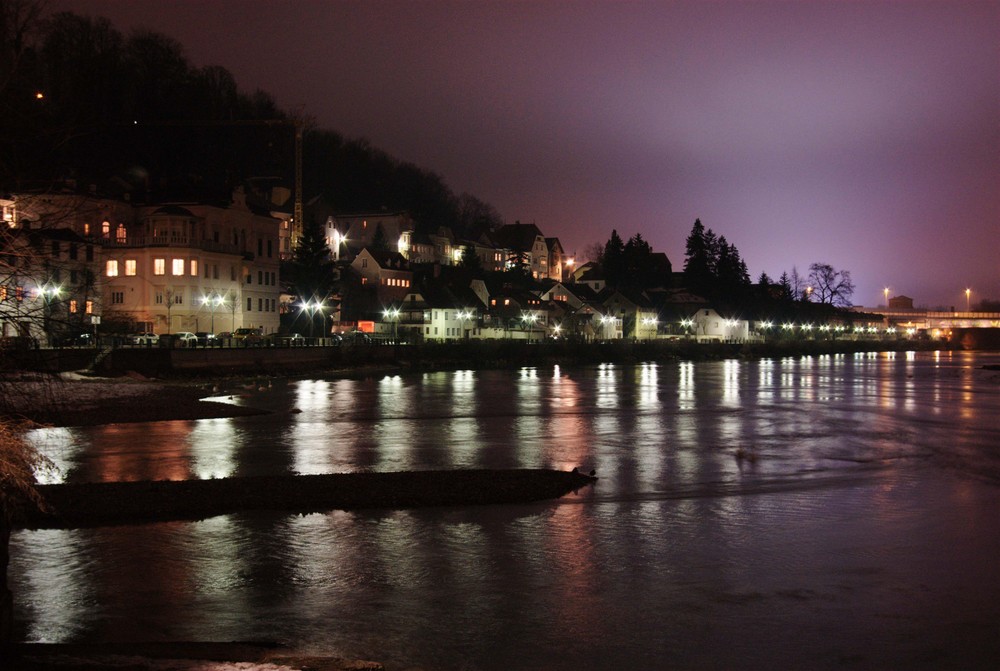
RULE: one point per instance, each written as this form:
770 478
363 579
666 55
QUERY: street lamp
968 305
214 302
312 307
528 320
464 316
392 314
49 293
885 292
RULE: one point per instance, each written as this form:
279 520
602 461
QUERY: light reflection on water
866 466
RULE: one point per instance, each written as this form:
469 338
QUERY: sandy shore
75 400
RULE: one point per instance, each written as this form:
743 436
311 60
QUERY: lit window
194 267
112 269
105 229
72 307
120 233
177 267
159 266
130 267
86 229
89 307
3 293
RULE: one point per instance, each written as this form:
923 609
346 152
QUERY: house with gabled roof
388 272
437 312
525 246
638 316
557 258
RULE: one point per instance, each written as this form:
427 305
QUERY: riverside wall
166 363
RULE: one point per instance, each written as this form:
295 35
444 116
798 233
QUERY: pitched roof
517 236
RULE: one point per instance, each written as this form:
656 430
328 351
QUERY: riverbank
112 503
175 656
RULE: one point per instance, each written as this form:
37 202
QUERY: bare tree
831 286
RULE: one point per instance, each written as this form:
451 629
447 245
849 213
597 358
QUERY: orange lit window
194 267
106 229
177 267
159 266
111 269
130 267
89 307
72 307
120 233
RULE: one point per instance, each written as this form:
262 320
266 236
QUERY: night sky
861 134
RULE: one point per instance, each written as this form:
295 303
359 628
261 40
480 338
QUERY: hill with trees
83 105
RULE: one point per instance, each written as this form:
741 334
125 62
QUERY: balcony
174 241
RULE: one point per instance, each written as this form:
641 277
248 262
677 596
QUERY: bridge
935 322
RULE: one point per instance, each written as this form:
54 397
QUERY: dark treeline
81 103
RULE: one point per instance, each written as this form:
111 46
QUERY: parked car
248 337
289 340
205 339
356 338
184 339
147 339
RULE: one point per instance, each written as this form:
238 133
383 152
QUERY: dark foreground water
861 528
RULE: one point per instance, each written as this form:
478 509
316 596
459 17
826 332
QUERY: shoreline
96 504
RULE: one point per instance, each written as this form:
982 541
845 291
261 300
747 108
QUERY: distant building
901 303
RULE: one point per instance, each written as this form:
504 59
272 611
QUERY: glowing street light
968 304
214 302
312 307
885 292
392 315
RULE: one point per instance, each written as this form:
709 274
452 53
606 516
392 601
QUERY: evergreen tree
380 243
311 268
614 259
699 259
470 261
638 272
787 292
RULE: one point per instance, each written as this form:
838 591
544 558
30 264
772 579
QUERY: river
815 512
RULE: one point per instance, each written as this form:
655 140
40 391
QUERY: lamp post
312 307
48 293
968 303
528 320
392 314
885 292
464 316
214 302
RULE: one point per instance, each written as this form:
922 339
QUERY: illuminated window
130 267
72 307
89 307
177 267
120 234
364 280
111 269
506 301
3 293
105 229
159 266
194 267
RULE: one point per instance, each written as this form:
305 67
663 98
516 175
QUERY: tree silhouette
831 286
